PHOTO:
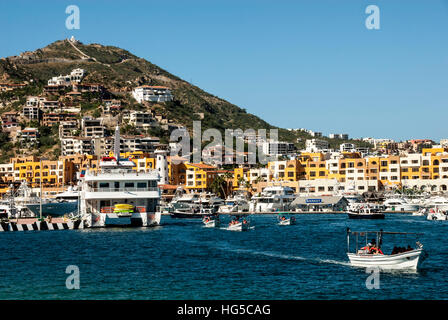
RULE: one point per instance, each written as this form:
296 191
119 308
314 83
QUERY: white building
77 145
139 119
28 136
316 145
92 128
342 136
75 76
347 147
68 129
152 94
278 148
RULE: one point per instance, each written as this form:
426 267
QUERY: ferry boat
117 195
272 199
371 255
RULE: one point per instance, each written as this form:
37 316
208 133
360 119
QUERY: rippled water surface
183 260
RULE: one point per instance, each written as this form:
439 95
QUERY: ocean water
183 260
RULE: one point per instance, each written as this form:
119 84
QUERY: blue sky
295 64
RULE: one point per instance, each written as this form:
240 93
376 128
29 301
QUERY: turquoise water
183 260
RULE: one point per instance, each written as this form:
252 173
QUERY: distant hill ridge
120 71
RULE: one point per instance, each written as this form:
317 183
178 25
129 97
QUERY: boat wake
286 256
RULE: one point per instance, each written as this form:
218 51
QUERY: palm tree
217 186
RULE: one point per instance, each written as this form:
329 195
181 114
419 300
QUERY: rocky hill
120 71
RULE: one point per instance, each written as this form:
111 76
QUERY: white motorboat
272 199
400 204
437 214
420 213
372 256
284 220
211 222
405 260
239 224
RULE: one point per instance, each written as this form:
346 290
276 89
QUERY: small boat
437 214
211 221
365 211
239 224
284 220
420 213
371 255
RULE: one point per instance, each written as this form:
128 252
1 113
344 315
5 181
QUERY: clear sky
310 64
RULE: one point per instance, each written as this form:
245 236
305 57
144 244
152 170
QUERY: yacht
63 203
438 202
235 204
117 195
209 201
400 204
365 211
272 199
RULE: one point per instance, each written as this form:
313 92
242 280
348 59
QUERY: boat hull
211 224
187 215
365 216
114 220
287 222
405 260
238 227
56 209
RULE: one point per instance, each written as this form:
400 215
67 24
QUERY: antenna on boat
117 143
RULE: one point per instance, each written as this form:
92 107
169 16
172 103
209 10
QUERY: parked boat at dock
400 204
114 185
365 211
272 199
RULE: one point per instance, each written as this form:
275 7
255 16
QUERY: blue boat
54 209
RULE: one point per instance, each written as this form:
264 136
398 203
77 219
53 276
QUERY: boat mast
117 143
40 180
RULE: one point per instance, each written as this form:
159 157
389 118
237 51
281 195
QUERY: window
129 184
104 185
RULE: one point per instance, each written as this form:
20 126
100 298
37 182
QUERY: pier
34 224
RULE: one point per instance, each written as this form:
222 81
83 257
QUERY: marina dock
34 224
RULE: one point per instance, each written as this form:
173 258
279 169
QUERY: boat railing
104 171
91 189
